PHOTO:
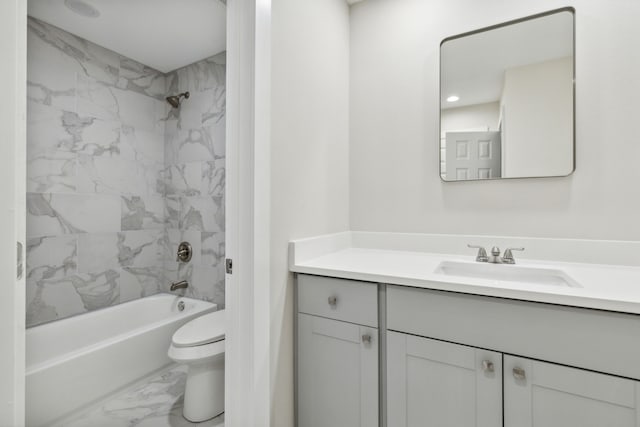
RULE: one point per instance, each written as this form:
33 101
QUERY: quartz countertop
602 286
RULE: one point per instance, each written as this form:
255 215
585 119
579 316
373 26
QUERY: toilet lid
201 330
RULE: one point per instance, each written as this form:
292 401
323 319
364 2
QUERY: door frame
248 395
247 211
13 84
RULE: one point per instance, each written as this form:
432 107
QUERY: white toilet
200 345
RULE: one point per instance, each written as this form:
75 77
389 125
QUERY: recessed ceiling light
82 8
453 98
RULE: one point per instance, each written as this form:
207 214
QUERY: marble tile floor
153 402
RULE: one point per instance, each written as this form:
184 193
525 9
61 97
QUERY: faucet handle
507 258
184 252
482 253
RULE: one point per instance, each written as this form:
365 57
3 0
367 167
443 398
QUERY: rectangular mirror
507 100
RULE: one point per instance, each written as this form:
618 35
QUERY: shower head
174 100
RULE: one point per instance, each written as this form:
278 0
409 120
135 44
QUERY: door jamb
247 392
13 83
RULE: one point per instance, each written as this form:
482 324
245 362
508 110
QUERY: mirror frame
570 9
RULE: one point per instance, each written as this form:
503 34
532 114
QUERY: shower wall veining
116 178
195 178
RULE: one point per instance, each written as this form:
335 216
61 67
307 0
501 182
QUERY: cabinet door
438 384
547 395
337 373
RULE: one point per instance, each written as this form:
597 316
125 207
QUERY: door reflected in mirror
507 100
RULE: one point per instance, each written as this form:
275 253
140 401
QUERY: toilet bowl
200 345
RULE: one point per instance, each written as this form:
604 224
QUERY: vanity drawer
346 300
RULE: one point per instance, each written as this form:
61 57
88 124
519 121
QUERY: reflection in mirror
507 100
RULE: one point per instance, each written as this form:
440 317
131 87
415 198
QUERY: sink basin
507 273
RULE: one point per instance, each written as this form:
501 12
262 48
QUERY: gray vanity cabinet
337 373
448 360
539 394
337 353
436 383
433 382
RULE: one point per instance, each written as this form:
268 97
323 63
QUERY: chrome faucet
507 258
482 253
495 257
183 284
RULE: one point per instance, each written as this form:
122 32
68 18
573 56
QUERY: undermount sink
507 273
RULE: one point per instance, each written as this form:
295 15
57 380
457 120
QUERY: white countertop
605 287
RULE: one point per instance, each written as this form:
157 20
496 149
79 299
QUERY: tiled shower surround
116 178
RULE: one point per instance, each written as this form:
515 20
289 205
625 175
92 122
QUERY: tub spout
183 284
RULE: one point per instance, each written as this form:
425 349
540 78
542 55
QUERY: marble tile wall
103 203
195 178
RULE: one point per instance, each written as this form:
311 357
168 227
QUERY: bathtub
75 361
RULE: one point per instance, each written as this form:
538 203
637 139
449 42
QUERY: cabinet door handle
487 366
366 339
333 301
519 374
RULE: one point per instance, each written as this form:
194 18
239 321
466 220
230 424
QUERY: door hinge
229 265
20 263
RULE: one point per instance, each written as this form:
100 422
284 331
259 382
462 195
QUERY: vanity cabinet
337 353
539 394
337 373
396 356
435 383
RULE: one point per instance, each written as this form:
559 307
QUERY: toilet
200 345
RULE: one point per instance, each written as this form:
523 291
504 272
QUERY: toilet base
204 390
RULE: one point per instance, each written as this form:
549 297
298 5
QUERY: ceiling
473 67
162 34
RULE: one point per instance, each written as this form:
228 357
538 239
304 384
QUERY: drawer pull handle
333 301
519 374
366 339
487 366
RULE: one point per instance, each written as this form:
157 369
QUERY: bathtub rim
35 368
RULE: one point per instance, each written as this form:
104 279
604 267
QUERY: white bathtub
75 361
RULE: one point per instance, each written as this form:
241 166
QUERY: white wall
537 137
309 156
394 183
